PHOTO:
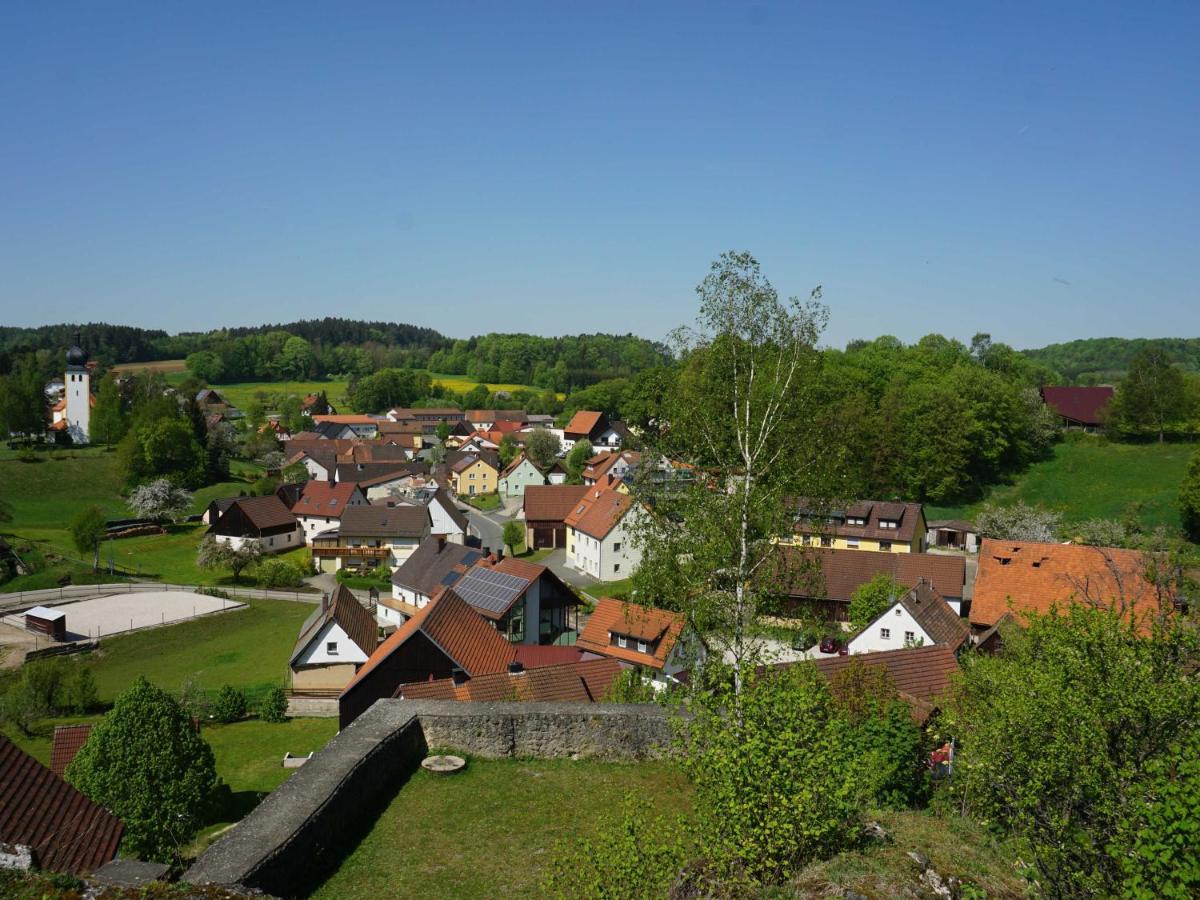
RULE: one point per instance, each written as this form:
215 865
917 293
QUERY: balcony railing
328 552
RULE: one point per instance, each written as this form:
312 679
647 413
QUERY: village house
1083 408
370 536
579 681
601 534
545 509
916 618
322 503
596 429
391 483
62 830
263 520
608 469
430 418
444 639
886 526
334 642
652 640
823 580
518 475
526 602
445 518
1026 577
435 564
474 473
360 425
487 419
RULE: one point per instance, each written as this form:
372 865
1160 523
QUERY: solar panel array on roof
489 589
451 577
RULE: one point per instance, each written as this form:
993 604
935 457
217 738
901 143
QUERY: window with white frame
909 636
331 648
641 646
622 641
885 633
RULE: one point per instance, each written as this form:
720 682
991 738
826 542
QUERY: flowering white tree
160 500
1019 523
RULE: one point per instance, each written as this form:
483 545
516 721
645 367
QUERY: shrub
230 705
146 763
274 706
1060 736
279 573
635 856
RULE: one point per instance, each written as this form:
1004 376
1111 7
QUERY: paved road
488 527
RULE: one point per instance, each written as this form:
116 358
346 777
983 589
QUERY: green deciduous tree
274 706
1151 396
742 413
146 763
296 359
88 528
108 421
514 535
214 554
508 449
576 461
873 598
1059 733
1189 499
542 447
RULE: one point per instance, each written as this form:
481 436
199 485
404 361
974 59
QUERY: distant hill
1107 359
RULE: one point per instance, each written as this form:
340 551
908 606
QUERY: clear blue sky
1025 169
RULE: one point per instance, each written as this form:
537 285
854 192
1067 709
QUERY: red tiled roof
842 572
583 422
265 512
534 656
346 419
832 520
67 831
638 622
582 681
461 633
1084 405
921 672
599 511
324 498
551 502
1025 576
67 741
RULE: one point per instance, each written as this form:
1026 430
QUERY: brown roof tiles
551 502
617 617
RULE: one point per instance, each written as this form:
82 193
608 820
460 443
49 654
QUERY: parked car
830 645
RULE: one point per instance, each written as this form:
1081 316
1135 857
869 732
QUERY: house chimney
459 676
516 667
441 542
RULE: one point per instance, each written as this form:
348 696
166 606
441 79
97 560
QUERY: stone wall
300 833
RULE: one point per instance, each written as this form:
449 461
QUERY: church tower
78 413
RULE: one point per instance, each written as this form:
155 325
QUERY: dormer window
622 641
888 523
856 520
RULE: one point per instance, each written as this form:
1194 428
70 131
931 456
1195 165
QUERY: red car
830 645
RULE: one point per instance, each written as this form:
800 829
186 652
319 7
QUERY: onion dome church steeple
77 357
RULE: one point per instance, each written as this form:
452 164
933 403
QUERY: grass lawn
491 830
45 496
1095 479
248 648
485 502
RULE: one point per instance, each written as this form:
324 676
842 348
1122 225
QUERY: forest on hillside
1105 360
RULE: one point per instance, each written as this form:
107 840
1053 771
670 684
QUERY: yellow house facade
884 526
476 476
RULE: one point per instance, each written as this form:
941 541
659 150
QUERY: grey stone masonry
299 833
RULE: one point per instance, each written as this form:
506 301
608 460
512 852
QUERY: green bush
279 573
230 705
274 706
48 687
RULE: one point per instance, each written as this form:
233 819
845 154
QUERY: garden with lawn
492 830
1090 477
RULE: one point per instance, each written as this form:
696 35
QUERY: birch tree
738 443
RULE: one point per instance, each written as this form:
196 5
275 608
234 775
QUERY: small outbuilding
50 622
952 534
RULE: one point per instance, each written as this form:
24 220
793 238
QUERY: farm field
515 812
1095 479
